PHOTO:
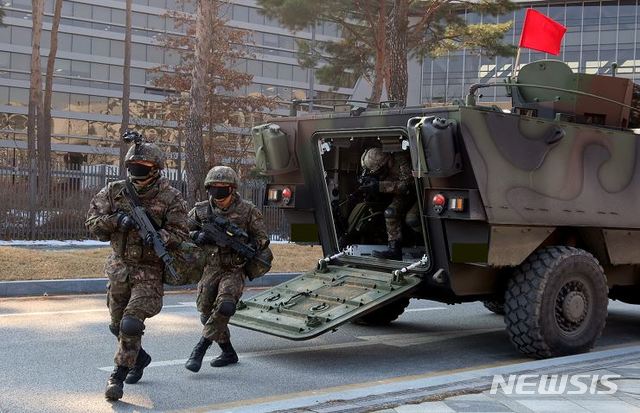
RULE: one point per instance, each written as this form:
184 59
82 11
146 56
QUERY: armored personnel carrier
533 210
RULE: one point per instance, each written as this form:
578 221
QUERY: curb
99 285
374 396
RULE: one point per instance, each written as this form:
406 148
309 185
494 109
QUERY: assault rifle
148 232
225 233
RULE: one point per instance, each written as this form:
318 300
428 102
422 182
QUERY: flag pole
516 63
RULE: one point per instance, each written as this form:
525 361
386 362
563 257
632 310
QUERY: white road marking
90 310
396 340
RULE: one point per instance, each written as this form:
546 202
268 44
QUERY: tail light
439 201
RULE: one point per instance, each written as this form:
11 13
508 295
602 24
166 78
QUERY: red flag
541 33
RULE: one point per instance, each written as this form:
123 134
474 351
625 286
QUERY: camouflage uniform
134 290
134 271
223 280
394 172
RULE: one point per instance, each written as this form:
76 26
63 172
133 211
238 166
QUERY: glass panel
300 74
79 103
18 97
20 61
81 44
138 52
270 69
60 101
285 72
99 71
78 127
20 36
240 13
254 67
4 95
255 16
156 23
115 106
100 46
137 76
155 54
118 16
80 69
117 48
115 74
60 126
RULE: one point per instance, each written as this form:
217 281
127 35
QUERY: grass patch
34 264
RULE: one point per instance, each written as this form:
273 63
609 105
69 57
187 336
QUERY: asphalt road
56 354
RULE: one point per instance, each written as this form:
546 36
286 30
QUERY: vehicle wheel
385 315
494 306
556 302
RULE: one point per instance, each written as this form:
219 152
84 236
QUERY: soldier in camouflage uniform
135 290
391 174
223 281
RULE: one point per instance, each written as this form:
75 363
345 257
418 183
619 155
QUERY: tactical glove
124 222
198 237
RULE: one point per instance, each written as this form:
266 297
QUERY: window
18 97
118 16
154 54
254 67
156 23
300 74
255 16
4 95
100 46
285 72
20 36
137 76
270 69
240 13
115 106
286 42
138 52
20 61
138 20
80 69
115 74
78 127
60 101
117 48
99 71
81 44
60 126
79 103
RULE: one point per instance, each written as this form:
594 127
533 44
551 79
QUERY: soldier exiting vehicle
391 174
223 281
134 270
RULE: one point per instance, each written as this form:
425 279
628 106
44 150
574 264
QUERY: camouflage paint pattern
589 177
223 278
135 274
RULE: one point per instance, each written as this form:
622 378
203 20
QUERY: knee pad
390 212
131 326
227 308
115 329
204 318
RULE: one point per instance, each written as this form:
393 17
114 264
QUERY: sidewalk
470 390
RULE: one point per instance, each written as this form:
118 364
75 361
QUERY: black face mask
139 171
219 192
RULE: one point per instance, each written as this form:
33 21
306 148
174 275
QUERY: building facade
599 34
87 86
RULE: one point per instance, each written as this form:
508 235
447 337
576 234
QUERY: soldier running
391 174
135 290
223 281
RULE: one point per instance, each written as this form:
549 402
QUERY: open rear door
320 301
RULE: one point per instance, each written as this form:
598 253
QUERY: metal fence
28 214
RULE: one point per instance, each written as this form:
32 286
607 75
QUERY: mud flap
320 300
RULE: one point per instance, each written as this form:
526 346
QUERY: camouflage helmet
221 175
373 159
146 152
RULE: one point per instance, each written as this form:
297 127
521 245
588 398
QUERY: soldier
135 290
391 174
223 280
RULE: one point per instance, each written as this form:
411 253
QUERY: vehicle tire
495 306
556 302
385 315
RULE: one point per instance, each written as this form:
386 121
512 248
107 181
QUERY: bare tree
126 87
44 134
196 167
34 121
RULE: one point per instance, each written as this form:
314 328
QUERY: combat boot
195 359
115 384
227 357
142 361
393 253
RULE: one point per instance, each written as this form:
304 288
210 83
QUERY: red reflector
439 200
286 193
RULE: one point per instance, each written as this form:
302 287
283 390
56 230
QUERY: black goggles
139 170
219 192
